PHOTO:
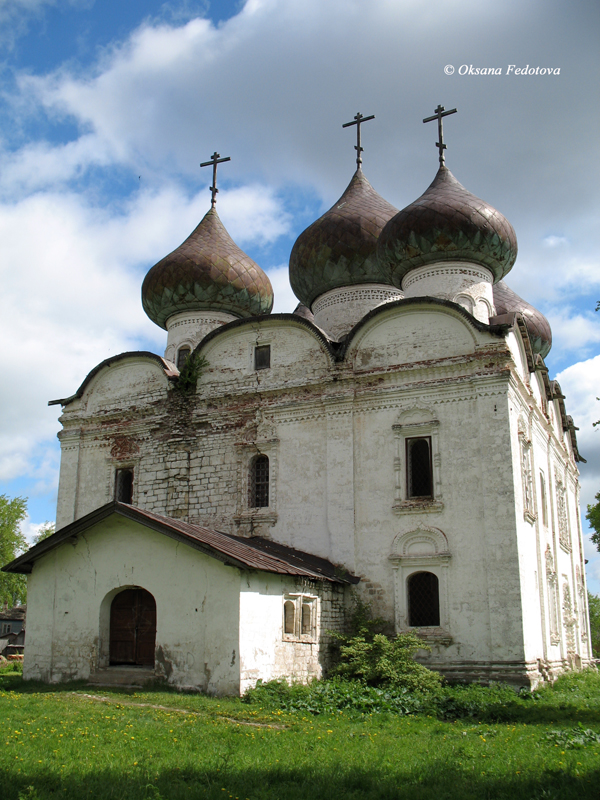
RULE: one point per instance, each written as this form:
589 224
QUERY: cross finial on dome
439 113
357 121
214 160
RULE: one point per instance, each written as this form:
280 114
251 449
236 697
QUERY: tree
13 588
593 517
45 530
594 606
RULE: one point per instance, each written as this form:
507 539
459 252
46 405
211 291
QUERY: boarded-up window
289 617
182 357
124 486
418 468
423 600
259 482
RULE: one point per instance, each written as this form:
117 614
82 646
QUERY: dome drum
467 284
188 328
339 310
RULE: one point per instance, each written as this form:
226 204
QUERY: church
396 438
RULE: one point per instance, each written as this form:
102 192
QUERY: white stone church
396 438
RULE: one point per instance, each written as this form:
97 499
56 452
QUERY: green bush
333 696
492 703
370 655
383 660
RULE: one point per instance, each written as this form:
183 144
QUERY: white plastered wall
197 605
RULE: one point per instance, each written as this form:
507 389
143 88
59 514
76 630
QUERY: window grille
182 357
124 486
259 482
419 472
423 600
262 356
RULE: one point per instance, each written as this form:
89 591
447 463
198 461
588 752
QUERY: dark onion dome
447 223
207 272
339 248
537 325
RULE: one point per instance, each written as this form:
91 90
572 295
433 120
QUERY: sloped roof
234 551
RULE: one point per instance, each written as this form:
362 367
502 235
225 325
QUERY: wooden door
133 628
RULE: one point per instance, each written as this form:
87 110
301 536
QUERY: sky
107 109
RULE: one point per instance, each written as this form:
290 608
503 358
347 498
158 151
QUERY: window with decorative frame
300 617
417 464
564 535
526 479
544 502
552 583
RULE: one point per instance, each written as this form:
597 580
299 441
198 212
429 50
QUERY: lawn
78 742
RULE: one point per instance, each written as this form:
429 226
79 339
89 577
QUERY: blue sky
108 108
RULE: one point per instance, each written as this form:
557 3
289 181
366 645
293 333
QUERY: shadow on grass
440 781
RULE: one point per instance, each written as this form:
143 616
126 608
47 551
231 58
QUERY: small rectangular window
124 486
262 356
259 482
419 483
182 357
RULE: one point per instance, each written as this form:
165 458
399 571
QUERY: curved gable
406 332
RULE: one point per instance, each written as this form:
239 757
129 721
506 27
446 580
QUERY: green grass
58 743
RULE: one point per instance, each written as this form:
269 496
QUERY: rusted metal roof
538 326
255 553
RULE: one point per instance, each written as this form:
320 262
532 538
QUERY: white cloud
285 299
555 241
71 276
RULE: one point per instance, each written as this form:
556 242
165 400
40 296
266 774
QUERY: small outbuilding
124 587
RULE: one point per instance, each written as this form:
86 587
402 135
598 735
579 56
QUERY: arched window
418 473
182 356
423 600
306 619
289 617
258 494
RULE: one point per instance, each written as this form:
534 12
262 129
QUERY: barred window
182 356
418 468
259 482
124 486
423 600
306 619
262 356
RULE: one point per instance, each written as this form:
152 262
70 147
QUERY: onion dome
207 272
447 223
339 248
537 325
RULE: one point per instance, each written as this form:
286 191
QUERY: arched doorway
132 628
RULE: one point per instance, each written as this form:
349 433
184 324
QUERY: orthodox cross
439 113
214 160
357 121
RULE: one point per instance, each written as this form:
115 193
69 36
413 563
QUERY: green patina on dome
339 248
447 223
207 272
